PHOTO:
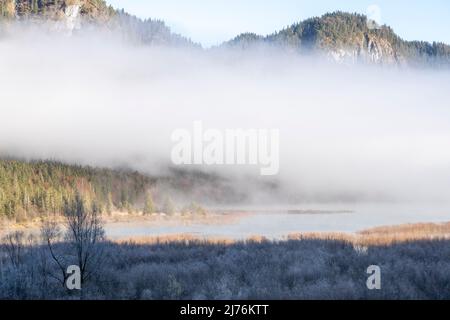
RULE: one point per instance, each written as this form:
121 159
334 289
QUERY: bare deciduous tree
15 247
83 232
51 234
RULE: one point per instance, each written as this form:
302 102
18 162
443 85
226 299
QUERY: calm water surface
277 223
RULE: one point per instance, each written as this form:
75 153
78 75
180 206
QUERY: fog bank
347 133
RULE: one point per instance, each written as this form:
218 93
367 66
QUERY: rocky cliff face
67 16
7 8
367 49
95 10
64 15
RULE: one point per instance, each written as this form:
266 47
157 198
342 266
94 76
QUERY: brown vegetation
385 235
379 236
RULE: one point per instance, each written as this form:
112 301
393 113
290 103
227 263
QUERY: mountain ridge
339 36
348 37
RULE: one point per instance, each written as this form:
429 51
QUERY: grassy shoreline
376 236
117 217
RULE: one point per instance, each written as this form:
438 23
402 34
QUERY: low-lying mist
347 133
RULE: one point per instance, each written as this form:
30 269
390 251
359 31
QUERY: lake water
278 223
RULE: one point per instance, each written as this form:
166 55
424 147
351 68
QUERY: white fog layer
360 132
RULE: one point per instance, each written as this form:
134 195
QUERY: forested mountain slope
348 37
33 188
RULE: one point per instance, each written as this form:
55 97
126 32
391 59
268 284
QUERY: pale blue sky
212 21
